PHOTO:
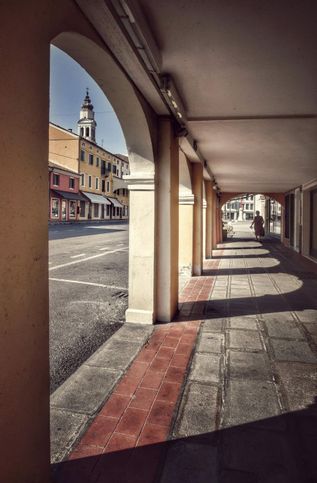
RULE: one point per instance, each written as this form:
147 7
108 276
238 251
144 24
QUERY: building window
96 210
97 162
114 169
108 187
82 155
97 183
91 159
82 208
103 185
89 182
108 210
72 209
55 207
56 179
109 167
82 179
71 183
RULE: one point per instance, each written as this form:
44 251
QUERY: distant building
103 191
244 207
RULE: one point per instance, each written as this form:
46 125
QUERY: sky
68 83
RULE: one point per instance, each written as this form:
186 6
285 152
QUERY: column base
139 316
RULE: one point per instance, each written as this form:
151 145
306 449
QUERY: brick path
237 404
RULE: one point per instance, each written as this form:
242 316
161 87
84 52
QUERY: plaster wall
63 148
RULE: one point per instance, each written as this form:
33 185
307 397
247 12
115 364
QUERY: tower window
82 155
81 131
87 131
91 159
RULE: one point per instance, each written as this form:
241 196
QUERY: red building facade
64 196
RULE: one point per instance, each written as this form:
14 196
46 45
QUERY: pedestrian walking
258 223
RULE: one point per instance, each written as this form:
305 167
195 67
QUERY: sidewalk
226 393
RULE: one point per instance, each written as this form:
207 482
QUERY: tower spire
87 124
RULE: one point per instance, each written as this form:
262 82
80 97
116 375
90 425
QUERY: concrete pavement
226 393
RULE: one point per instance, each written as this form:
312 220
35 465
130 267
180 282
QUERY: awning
96 198
115 202
67 195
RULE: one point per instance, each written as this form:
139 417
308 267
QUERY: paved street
88 270
225 394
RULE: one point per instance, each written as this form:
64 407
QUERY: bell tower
87 124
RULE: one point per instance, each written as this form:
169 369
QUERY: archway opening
239 212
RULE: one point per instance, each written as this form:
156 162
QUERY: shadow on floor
280 449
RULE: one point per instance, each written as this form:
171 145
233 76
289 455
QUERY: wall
26 31
63 147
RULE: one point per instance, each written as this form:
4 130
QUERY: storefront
64 206
117 209
99 207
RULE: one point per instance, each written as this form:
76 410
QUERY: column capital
186 199
141 182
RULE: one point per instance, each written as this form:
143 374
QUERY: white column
167 185
186 214
141 250
209 200
197 179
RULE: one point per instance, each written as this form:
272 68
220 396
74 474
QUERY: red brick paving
125 442
138 414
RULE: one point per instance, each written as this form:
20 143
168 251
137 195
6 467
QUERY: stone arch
224 197
122 95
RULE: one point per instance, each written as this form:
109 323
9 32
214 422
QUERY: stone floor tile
244 322
283 329
198 413
209 342
85 390
293 351
300 383
264 453
250 401
249 365
307 315
115 355
213 325
65 428
189 462
243 339
205 368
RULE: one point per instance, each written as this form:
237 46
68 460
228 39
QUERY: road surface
88 280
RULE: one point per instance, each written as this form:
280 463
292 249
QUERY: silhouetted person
258 223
